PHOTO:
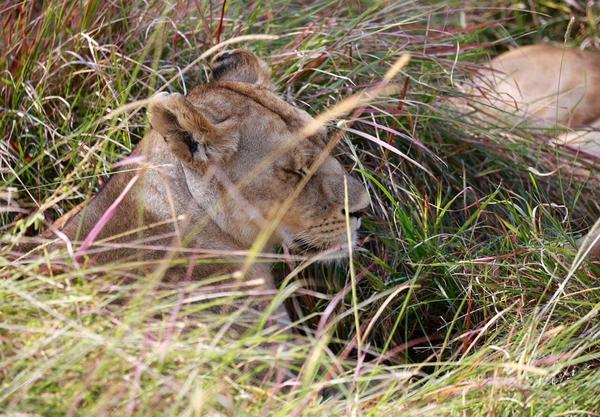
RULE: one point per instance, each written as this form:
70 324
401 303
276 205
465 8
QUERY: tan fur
545 86
217 166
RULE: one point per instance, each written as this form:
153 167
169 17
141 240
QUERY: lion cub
225 170
546 87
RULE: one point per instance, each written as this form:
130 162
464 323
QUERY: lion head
248 162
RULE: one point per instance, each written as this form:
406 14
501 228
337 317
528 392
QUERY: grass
467 295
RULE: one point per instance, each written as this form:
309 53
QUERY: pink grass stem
108 214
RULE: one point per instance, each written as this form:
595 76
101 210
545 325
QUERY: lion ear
190 135
240 65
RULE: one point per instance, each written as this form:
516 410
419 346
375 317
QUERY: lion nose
358 198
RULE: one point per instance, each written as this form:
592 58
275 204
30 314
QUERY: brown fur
217 165
545 86
548 85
